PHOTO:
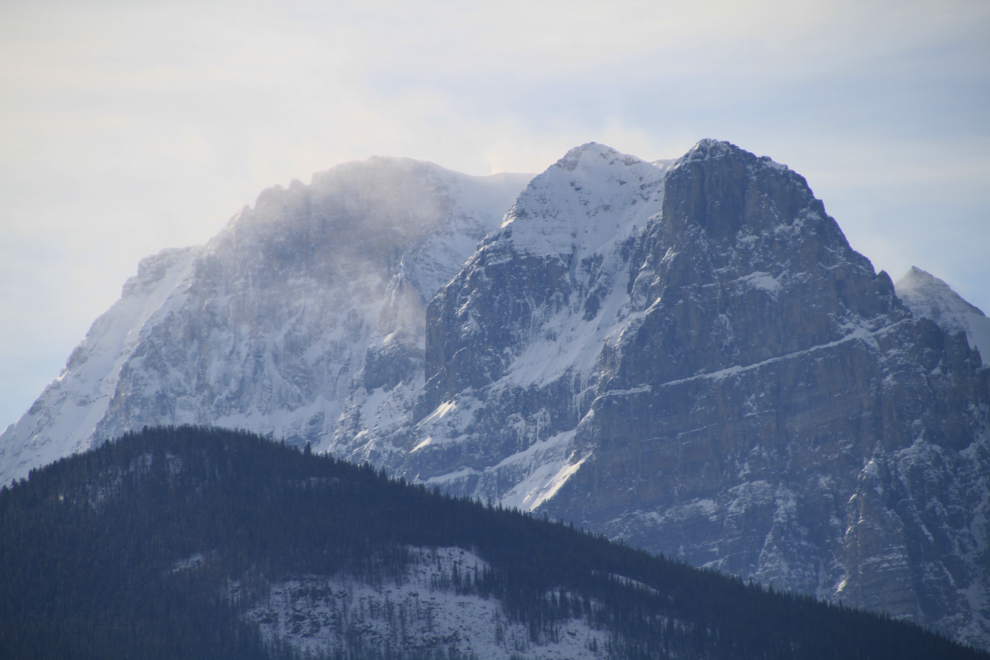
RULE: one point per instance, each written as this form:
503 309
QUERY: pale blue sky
129 127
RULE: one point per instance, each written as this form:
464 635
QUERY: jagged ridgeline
686 355
203 543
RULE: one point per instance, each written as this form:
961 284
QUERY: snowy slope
62 420
693 359
931 298
685 355
268 326
543 295
422 612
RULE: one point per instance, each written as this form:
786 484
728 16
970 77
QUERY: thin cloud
127 128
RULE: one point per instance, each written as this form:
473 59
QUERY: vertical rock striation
687 355
724 380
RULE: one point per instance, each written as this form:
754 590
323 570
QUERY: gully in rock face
686 355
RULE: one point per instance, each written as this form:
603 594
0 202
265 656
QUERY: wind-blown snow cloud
126 128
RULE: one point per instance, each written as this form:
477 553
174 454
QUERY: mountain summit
686 355
279 321
931 298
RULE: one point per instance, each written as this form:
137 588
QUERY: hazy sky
126 128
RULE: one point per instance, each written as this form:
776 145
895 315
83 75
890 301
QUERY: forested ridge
92 550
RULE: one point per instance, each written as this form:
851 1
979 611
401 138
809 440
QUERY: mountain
692 358
206 543
279 320
931 298
685 355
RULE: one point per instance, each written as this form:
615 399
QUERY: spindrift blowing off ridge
685 355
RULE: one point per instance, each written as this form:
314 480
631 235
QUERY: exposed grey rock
686 355
760 401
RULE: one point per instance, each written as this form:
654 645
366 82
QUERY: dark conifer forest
89 546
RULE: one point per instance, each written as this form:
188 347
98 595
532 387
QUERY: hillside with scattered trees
164 544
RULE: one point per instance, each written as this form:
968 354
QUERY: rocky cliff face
686 355
280 321
702 366
778 413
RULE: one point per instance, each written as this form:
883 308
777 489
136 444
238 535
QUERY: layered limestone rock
514 340
685 355
724 380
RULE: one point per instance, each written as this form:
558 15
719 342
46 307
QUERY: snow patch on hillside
547 466
425 611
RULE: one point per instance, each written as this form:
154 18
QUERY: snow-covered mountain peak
931 298
590 154
592 196
917 286
687 355
278 320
